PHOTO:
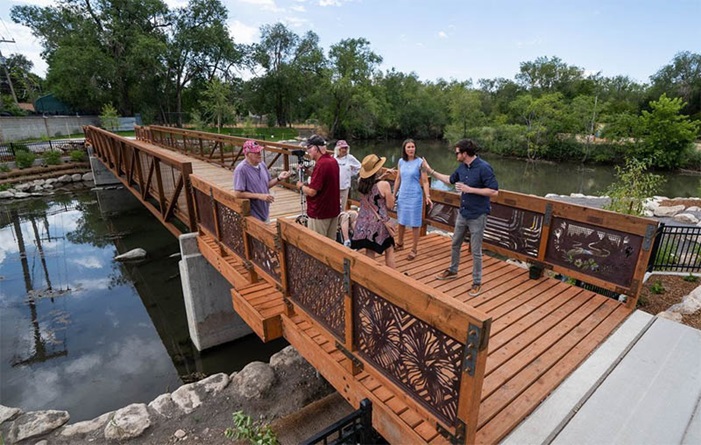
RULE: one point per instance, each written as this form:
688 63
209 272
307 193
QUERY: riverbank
195 413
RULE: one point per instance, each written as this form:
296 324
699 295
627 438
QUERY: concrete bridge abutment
211 317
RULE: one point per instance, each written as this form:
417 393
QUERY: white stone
668 211
577 195
87 426
36 423
213 384
6 194
7 413
693 209
689 304
88 177
76 177
65 178
51 181
164 405
37 188
128 422
134 254
254 380
39 182
20 195
23 187
674 316
685 218
179 434
286 358
186 398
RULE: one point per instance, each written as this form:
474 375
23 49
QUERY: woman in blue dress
412 190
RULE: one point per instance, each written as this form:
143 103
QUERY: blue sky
464 39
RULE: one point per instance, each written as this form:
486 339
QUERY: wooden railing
159 181
429 348
603 248
220 149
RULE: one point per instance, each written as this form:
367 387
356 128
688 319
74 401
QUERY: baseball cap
251 147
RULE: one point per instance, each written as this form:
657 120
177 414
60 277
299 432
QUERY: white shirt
348 166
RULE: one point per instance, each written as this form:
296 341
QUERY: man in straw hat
372 228
252 181
322 192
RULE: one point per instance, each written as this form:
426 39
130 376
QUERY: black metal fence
355 428
9 150
676 249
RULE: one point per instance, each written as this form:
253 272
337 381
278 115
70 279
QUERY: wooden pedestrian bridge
437 365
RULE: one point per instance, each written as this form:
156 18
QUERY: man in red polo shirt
323 193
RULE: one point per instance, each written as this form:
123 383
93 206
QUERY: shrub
634 184
4 168
20 147
77 155
691 278
24 159
254 432
657 288
52 157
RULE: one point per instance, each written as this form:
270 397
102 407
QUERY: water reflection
81 332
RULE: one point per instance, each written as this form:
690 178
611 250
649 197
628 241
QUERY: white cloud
329 3
298 8
89 262
527 43
25 44
87 284
442 35
265 5
243 33
174 4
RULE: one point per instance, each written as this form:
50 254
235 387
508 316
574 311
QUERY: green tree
681 78
542 117
633 185
293 68
101 51
109 117
666 133
199 48
217 104
550 75
26 85
465 107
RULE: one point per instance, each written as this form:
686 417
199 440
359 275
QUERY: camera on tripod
302 162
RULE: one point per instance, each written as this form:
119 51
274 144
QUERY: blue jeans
476 227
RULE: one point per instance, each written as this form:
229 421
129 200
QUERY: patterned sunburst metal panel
599 252
514 229
204 210
231 230
317 288
265 258
442 213
424 361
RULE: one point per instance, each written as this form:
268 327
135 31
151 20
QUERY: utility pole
7 74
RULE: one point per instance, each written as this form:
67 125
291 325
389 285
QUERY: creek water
83 333
539 178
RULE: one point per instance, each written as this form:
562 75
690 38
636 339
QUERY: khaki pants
326 227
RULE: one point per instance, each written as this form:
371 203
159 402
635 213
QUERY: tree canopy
164 63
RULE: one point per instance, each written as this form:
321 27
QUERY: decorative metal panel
514 229
596 251
424 361
204 210
265 258
231 230
443 213
317 288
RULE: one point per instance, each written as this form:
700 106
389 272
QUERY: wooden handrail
160 181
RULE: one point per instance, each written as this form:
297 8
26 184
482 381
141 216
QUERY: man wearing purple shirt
252 181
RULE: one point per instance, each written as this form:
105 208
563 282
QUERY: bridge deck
542 330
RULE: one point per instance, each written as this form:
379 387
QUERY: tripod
301 167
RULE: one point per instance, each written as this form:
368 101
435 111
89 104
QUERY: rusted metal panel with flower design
413 354
204 210
515 229
442 213
317 289
265 258
231 230
599 252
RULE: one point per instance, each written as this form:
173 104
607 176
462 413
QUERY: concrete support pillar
210 314
101 174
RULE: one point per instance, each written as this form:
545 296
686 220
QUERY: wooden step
230 266
260 305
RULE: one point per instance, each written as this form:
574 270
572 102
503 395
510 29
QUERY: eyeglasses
458 152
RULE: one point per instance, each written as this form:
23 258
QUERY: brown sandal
398 246
412 255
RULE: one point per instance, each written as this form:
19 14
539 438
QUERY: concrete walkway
642 386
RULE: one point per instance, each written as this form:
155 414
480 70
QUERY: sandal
412 255
398 246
